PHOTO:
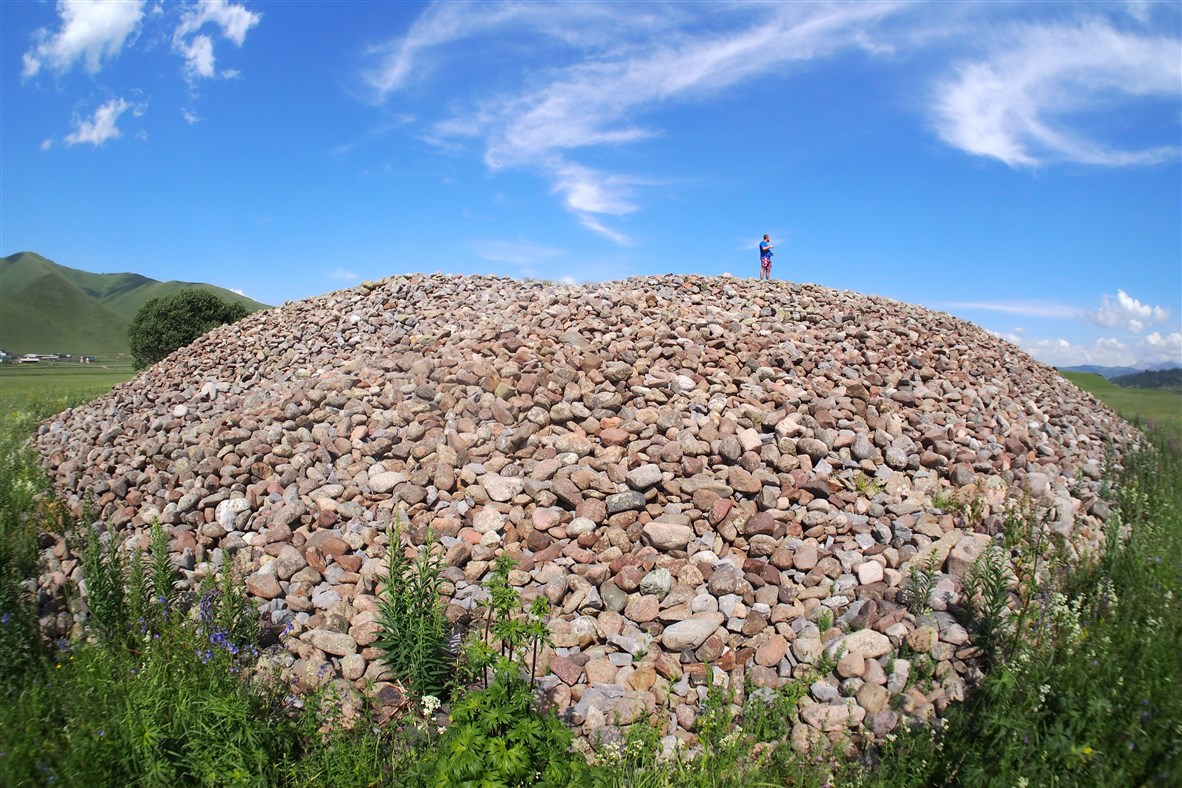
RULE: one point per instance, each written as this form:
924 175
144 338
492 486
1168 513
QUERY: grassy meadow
1160 408
22 383
166 688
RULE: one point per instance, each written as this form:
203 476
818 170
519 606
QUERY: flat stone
624 502
642 609
645 476
772 651
657 582
692 632
668 536
336 643
382 483
870 572
501 488
613 598
824 717
865 642
264 585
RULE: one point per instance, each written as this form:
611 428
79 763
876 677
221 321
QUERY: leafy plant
413 628
917 595
497 734
987 599
103 572
867 486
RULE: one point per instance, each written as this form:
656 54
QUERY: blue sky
1017 165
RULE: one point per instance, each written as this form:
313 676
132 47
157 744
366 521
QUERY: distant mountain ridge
46 307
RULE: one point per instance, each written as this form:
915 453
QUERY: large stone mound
696 472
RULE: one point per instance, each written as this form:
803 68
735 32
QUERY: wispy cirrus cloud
1121 310
1025 308
1021 102
615 63
90 32
1028 95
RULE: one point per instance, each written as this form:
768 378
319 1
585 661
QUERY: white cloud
620 62
199 56
1019 103
1104 351
1127 311
605 68
341 275
100 127
90 31
232 19
1155 348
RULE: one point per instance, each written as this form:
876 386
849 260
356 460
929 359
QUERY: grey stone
692 632
625 501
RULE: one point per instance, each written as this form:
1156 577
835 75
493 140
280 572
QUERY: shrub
169 322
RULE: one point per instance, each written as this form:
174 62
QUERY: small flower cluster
430 705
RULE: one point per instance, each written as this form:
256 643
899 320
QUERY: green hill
49 308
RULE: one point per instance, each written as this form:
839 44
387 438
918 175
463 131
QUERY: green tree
169 322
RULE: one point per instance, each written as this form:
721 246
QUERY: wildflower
1131 745
4 618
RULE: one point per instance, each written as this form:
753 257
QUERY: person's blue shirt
765 250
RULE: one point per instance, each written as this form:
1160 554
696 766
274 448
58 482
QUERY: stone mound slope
699 473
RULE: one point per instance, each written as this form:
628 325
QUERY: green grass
1156 407
22 383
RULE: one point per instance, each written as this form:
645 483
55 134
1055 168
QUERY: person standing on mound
765 257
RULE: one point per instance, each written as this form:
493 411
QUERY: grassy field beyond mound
66 380
1157 407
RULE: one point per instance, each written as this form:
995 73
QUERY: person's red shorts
765 264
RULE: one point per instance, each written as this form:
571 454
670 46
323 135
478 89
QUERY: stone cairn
698 473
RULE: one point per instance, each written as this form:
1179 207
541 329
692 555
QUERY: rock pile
711 480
